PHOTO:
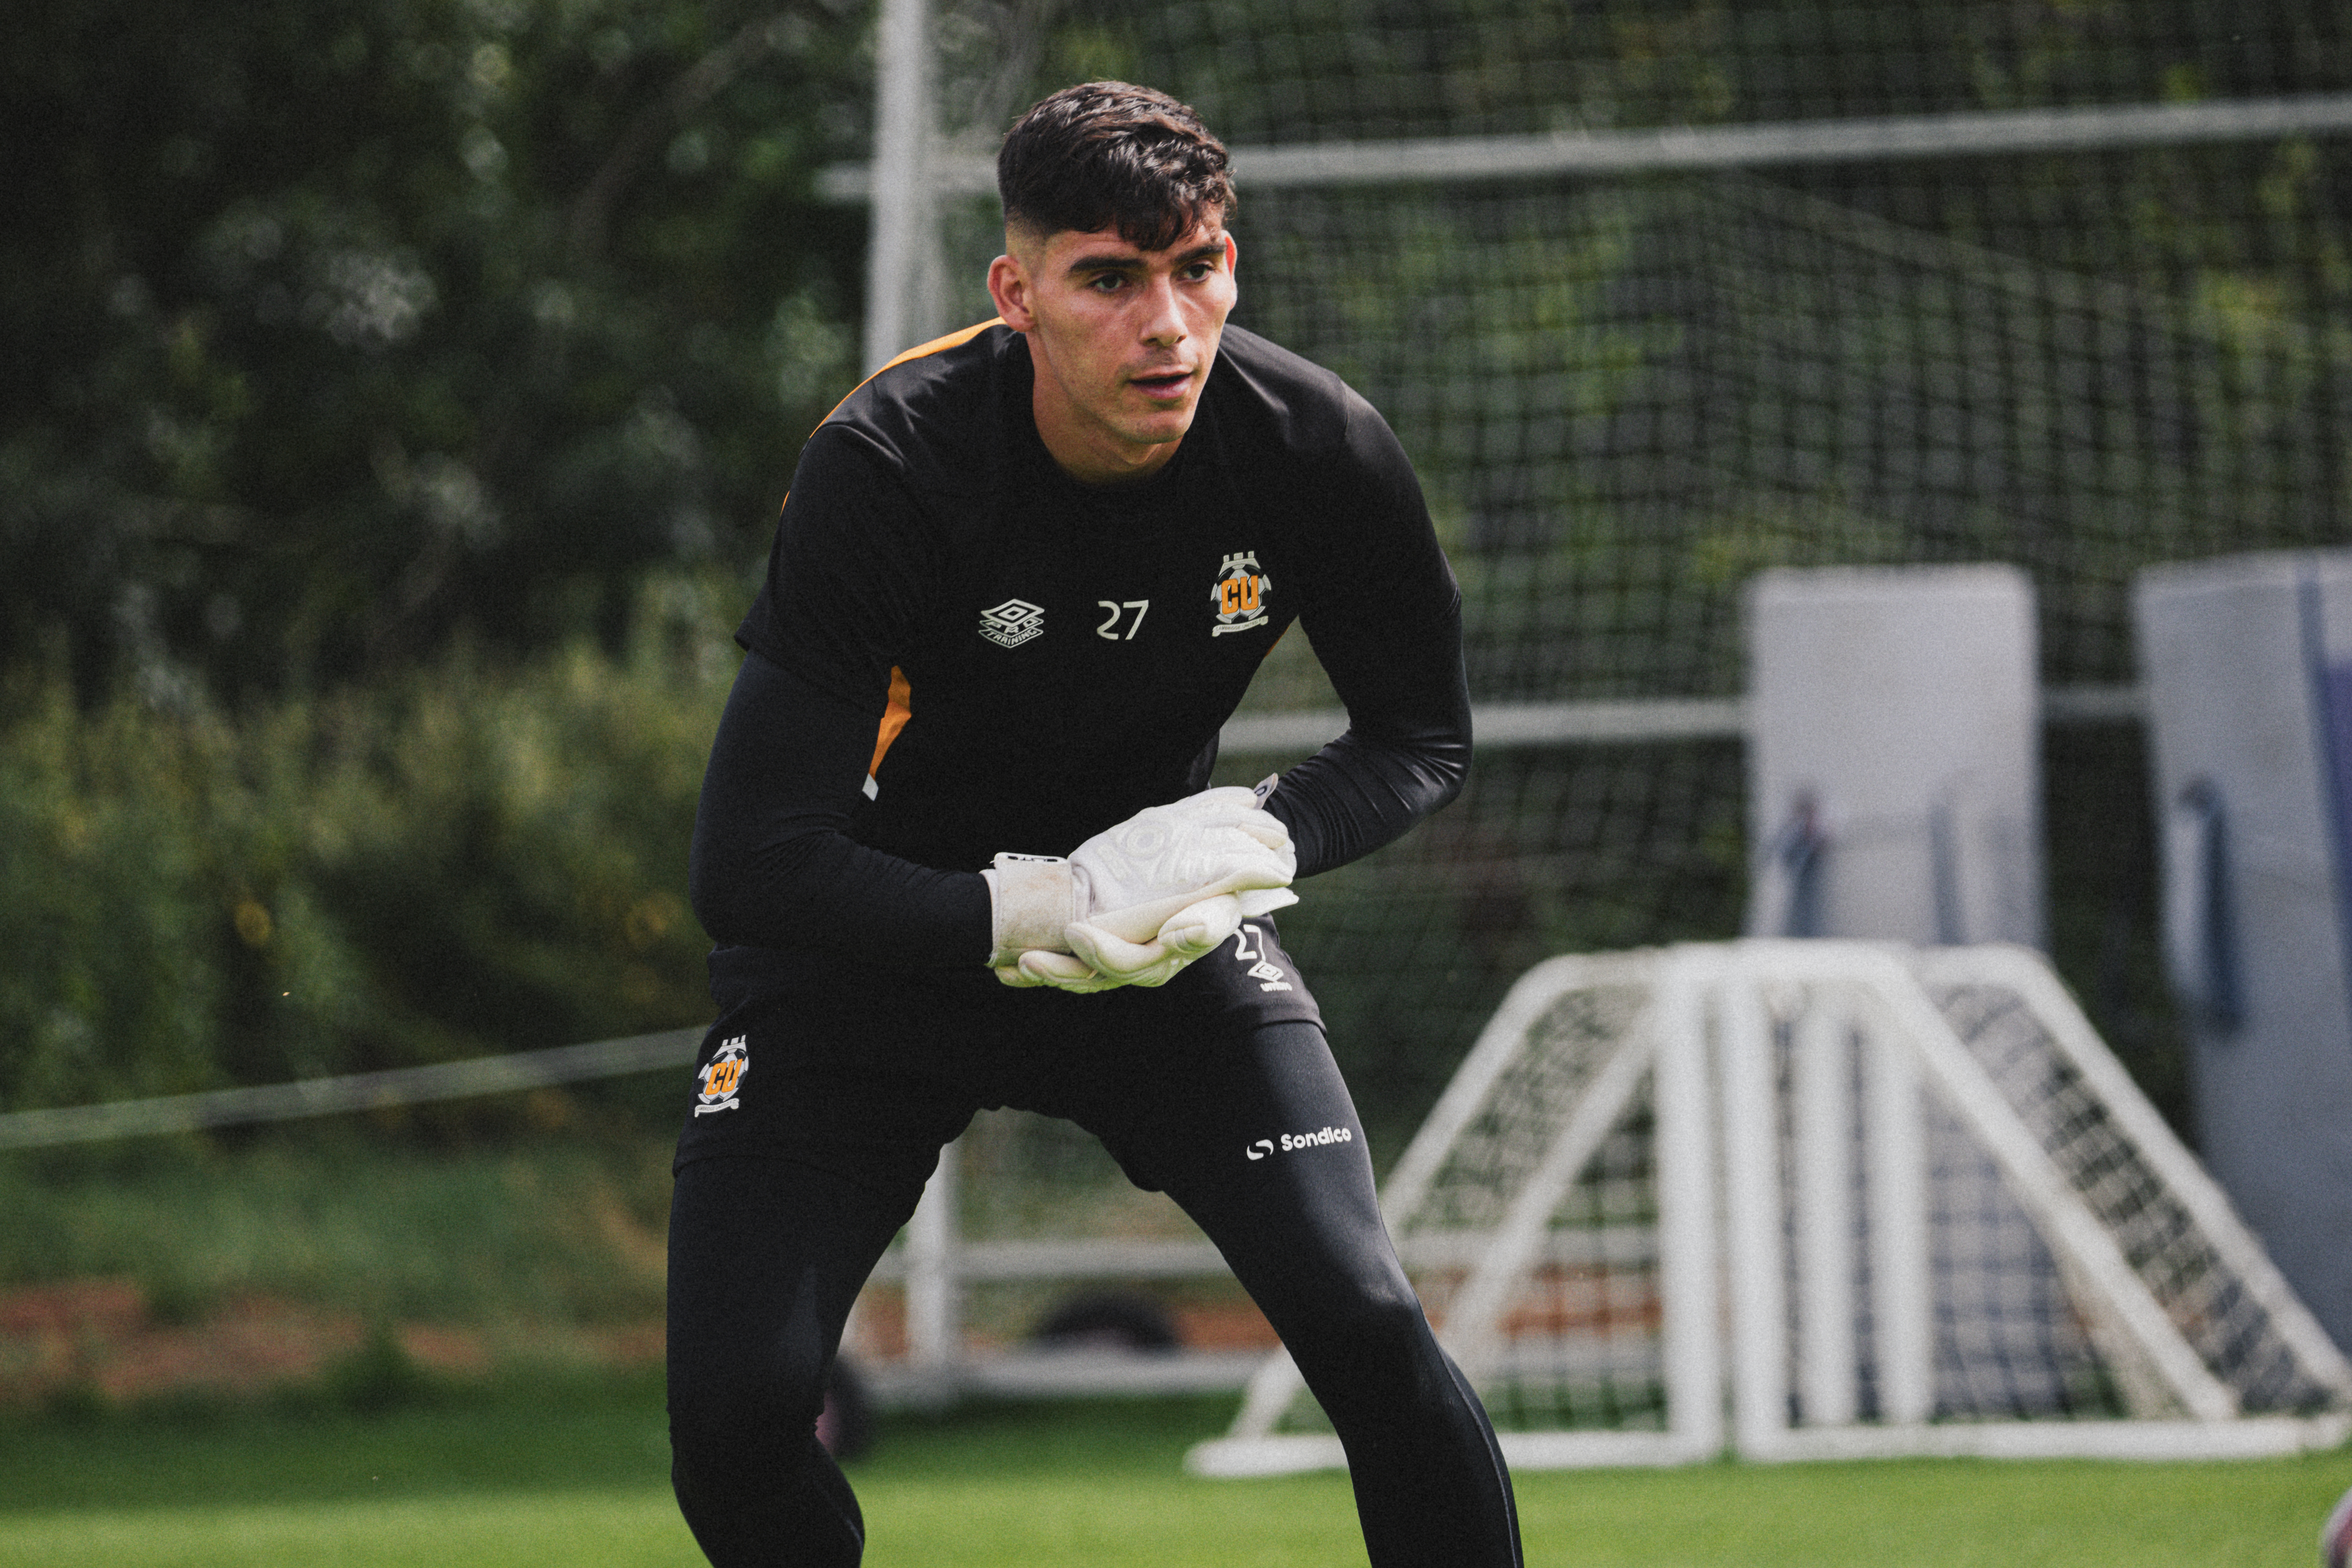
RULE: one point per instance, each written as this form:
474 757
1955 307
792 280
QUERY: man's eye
1105 282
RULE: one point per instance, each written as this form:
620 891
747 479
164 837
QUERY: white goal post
1665 1177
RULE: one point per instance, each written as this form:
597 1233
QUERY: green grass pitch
574 1475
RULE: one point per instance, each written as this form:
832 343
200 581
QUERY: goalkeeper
957 851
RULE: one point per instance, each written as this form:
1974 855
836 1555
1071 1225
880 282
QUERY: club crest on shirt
1012 623
723 1078
1239 593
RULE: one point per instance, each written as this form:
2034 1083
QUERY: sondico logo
1290 1140
723 1078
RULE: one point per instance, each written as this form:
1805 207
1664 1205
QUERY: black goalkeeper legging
769 1251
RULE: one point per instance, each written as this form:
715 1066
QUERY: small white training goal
1762 1169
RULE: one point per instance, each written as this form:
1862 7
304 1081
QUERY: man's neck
1085 456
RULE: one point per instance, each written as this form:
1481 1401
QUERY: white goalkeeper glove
1119 890
1097 960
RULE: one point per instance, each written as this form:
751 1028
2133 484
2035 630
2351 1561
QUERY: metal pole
1688 1279
902 255
1751 1222
1901 1267
934 1298
1824 1108
900 312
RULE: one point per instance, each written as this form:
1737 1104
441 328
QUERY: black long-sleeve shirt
961 650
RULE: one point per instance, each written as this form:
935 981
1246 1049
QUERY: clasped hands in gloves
1136 903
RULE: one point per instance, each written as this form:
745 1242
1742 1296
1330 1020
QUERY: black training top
961 650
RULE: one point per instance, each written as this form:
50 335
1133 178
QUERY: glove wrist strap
1032 899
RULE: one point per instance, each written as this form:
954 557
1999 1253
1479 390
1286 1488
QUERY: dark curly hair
1109 154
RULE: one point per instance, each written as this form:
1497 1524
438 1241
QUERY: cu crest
723 1079
1240 593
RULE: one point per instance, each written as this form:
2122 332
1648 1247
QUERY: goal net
1660 295
1664 1174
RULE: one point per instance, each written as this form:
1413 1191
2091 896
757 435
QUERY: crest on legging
1239 593
722 1080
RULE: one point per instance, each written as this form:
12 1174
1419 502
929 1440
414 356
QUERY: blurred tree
334 332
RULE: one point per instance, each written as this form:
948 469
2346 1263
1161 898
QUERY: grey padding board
1894 754
2248 665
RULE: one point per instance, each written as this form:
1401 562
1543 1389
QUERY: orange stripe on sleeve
894 718
937 345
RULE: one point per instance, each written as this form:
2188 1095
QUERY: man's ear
1008 284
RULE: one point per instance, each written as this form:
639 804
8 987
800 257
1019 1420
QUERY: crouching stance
958 847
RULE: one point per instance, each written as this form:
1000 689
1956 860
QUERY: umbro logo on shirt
1012 623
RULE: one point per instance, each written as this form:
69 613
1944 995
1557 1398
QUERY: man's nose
1163 323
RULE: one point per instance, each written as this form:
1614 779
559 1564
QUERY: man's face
1121 338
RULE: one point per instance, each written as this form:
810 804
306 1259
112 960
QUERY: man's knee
752 1479
738 1406
1375 1346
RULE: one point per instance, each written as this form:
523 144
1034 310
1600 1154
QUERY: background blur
401 392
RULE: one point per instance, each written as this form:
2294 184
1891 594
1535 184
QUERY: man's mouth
1163 384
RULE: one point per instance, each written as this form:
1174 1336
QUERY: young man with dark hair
957 851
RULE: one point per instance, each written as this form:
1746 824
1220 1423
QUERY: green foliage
533 1231
521 1434
477 857
339 334
377 1377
